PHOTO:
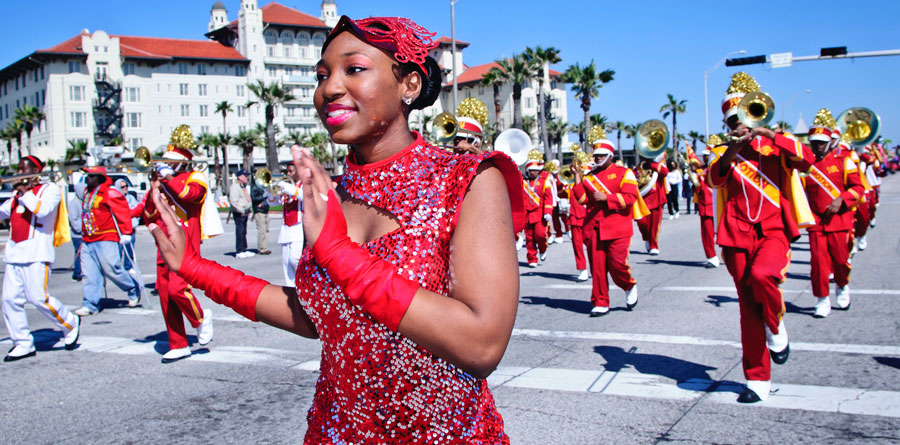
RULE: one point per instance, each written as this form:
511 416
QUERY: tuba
652 138
756 109
860 124
515 143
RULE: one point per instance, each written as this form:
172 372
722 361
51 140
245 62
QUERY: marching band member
186 191
558 219
291 235
472 118
538 196
37 224
758 222
577 213
654 195
703 197
609 193
833 188
870 167
106 228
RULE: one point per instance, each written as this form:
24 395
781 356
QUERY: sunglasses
469 139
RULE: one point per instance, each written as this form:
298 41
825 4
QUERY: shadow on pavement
661 365
794 309
160 340
577 306
701 264
893 362
555 276
796 276
717 300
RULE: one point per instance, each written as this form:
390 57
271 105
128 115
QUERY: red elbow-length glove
222 284
368 281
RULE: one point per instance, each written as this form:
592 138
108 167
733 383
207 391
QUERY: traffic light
833 51
745 60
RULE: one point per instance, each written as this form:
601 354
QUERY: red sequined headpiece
402 37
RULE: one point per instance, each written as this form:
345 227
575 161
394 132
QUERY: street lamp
791 100
706 88
453 49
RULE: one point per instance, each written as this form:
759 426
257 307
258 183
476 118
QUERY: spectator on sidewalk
674 181
239 200
74 209
259 200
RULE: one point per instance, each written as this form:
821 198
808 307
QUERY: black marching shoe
748 396
781 358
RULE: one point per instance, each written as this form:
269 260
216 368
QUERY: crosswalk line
729 289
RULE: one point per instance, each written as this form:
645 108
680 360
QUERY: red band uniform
655 199
538 197
703 196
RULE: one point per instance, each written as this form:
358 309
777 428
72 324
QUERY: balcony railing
293 79
301 119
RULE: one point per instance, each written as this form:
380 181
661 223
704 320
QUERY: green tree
76 151
295 138
318 144
272 95
541 59
528 125
696 136
556 129
224 107
30 117
518 71
579 130
674 107
618 127
8 135
586 83
247 140
630 132
209 142
598 119
494 79
784 126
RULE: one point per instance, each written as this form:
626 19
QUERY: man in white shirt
33 219
291 235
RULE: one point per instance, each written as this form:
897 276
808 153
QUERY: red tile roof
475 73
157 48
282 15
444 40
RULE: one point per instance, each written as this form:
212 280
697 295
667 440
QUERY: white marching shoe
520 243
205 330
712 263
654 252
582 275
532 265
544 256
843 296
861 244
70 339
176 354
20 351
779 348
631 297
872 222
559 240
823 308
598 311
756 391
677 215
671 217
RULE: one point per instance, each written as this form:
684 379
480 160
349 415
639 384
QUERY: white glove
287 188
164 169
547 218
125 239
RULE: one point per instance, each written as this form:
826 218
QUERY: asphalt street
670 370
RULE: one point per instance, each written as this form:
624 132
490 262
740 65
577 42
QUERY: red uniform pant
608 256
535 240
560 222
757 274
863 216
708 236
649 226
176 299
578 245
829 252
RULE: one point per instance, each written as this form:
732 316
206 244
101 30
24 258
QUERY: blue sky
655 47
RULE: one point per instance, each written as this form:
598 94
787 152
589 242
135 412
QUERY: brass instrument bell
567 174
264 179
756 109
652 138
143 160
444 128
860 124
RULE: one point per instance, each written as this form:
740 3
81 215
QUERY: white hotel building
95 86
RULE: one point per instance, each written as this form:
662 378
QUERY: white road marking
697 341
628 384
729 289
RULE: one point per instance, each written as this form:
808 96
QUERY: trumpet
17 179
756 109
264 179
143 160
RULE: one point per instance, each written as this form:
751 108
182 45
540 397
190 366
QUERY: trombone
264 179
143 160
17 179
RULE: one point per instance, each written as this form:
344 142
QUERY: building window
102 69
273 71
303 53
74 67
204 110
128 68
185 110
76 93
239 90
529 102
556 103
201 89
182 68
270 50
290 111
135 142
204 129
552 84
287 51
239 70
241 111
132 120
79 119
201 69
42 72
132 94
182 89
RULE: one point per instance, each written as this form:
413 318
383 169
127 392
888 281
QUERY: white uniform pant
28 282
290 259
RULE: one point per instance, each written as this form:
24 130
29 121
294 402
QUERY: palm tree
223 140
586 83
209 143
555 131
631 132
318 142
248 140
494 79
518 71
696 136
295 138
273 95
579 130
528 124
618 127
598 119
674 107
784 126
15 128
224 108
7 135
30 117
76 152
541 59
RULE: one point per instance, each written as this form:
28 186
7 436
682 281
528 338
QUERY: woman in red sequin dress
411 281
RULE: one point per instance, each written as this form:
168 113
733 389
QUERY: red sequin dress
377 386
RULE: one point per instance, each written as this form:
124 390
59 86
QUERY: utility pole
453 50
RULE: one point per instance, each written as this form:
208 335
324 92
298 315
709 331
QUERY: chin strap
368 281
222 284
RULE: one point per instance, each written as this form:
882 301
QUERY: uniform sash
638 209
819 178
535 199
759 181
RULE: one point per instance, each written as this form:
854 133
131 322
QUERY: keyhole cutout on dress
366 223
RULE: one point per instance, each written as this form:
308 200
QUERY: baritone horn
566 175
143 160
515 143
860 124
756 109
444 128
652 138
264 179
